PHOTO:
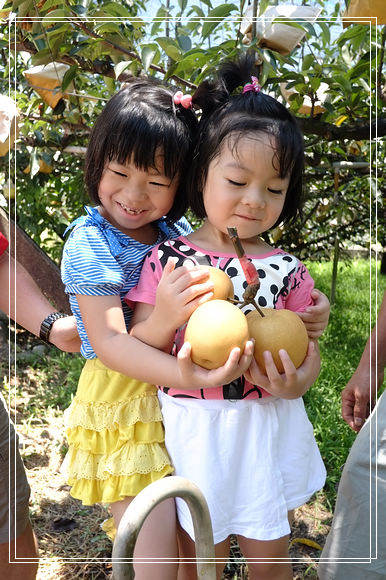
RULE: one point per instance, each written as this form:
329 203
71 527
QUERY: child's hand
316 317
291 384
179 292
193 376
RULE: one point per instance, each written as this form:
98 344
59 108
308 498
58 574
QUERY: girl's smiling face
243 188
132 198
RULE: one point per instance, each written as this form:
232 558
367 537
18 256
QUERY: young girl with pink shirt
248 444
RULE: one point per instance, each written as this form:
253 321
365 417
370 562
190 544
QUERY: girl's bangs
142 143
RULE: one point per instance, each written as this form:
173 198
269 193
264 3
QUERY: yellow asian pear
213 329
223 287
278 329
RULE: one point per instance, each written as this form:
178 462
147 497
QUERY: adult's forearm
20 296
374 354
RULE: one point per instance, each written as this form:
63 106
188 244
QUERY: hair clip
183 100
253 86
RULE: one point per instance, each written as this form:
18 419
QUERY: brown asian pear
223 287
213 330
278 329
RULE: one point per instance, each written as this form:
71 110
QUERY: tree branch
333 133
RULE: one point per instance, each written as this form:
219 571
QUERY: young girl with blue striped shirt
138 152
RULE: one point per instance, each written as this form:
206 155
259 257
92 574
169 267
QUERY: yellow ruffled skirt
115 436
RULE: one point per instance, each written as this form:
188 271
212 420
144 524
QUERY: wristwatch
46 325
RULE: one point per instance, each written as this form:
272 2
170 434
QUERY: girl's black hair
244 115
136 123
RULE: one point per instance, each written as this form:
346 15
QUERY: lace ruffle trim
114 488
101 415
109 441
127 461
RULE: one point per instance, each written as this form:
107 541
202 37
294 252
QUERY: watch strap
46 325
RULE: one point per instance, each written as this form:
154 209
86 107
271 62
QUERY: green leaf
314 83
351 32
263 5
17 3
49 4
326 35
54 16
42 57
120 67
308 61
184 42
364 85
59 107
79 9
197 10
169 46
215 17
69 76
207 3
107 27
110 84
24 8
114 8
34 163
183 4
147 55
344 83
359 70
190 63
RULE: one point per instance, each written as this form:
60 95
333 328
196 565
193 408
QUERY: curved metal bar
139 509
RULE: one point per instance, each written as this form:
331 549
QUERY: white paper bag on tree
278 36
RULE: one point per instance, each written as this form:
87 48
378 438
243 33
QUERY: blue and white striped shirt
100 260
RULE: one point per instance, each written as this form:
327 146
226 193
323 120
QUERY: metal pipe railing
139 509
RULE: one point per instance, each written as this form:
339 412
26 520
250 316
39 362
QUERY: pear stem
258 308
250 272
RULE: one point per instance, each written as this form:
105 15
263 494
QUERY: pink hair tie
253 86
183 100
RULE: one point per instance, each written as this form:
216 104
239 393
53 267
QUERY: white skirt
252 459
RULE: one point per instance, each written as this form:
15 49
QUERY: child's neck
211 239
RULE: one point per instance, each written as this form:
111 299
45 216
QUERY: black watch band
46 325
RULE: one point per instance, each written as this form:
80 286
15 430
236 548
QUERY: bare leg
187 549
157 540
270 550
26 547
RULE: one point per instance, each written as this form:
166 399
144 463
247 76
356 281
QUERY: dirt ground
71 541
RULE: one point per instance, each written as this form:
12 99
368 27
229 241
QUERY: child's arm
105 327
291 384
179 292
316 317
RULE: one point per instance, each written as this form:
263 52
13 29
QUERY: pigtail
237 73
209 96
212 95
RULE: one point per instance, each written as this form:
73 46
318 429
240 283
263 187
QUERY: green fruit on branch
278 329
213 330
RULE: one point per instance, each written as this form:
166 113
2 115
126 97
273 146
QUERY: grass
46 383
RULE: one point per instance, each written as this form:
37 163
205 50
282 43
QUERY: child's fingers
288 365
238 362
169 266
